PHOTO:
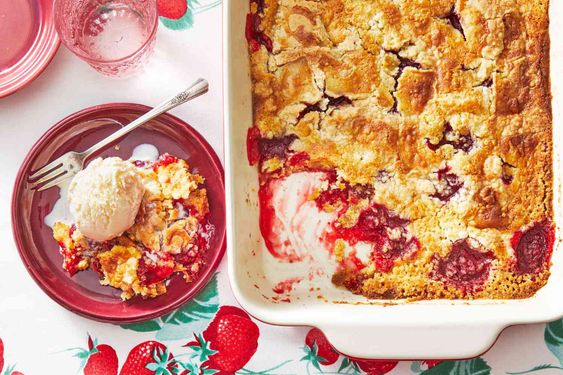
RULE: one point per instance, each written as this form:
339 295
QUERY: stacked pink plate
28 41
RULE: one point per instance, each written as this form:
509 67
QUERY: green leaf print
537 368
192 317
476 366
205 7
416 367
312 356
270 371
187 20
554 338
184 22
347 367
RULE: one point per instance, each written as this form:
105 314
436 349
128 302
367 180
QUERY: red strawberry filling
352 262
343 194
192 258
275 147
155 267
252 149
259 5
404 63
332 102
466 267
487 82
386 232
189 209
293 225
298 159
507 179
71 257
333 197
463 142
100 247
254 35
164 160
352 281
454 19
338 101
259 149
507 170
141 163
187 258
448 185
533 247
201 239
268 221
308 109
286 286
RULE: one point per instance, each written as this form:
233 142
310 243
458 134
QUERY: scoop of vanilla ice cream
104 198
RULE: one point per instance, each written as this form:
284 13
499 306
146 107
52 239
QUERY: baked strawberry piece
533 247
466 267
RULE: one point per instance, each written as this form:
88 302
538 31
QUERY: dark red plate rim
117 318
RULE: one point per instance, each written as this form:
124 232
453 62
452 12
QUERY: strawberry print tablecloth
209 335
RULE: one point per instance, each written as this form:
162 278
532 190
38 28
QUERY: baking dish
440 329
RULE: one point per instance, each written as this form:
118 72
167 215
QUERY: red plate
28 41
82 293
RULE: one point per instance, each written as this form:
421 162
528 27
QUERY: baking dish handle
410 343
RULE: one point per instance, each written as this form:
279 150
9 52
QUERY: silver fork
72 162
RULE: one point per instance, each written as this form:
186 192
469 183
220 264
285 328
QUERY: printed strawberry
318 348
431 363
229 341
173 9
10 371
1 355
149 358
376 367
97 359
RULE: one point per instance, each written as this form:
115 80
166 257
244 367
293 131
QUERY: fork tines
47 176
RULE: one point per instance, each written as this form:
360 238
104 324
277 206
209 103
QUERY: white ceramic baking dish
414 330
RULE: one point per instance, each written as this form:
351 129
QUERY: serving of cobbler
417 134
170 234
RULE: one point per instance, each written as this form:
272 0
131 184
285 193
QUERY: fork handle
199 87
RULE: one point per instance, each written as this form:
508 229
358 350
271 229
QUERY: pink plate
82 293
28 41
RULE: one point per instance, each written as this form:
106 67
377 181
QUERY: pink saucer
28 41
82 293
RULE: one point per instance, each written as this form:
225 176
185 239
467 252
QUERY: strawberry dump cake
409 140
136 223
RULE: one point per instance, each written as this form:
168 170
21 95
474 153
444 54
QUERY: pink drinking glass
114 37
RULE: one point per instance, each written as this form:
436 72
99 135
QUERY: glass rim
78 52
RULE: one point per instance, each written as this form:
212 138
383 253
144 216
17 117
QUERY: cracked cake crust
449 99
